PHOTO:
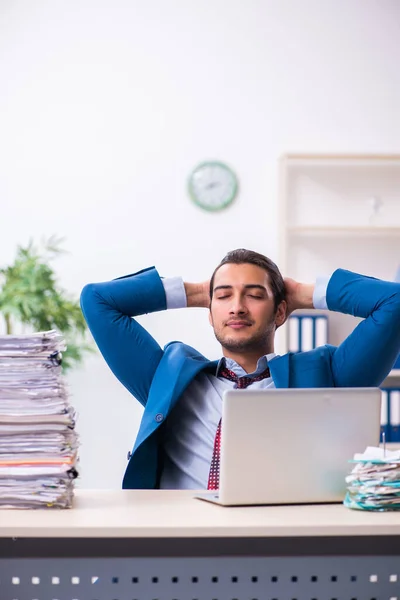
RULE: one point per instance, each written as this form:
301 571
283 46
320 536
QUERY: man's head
247 302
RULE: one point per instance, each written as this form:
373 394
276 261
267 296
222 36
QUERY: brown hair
242 256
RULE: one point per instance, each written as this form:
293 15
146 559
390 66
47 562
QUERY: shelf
394 373
341 160
340 210
393 446
317 231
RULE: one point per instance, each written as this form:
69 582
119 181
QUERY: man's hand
198 294
298 295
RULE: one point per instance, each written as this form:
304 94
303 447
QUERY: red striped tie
241 383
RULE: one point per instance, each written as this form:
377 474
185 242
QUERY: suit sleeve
367 355
129 350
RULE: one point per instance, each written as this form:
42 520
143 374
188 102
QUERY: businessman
247 299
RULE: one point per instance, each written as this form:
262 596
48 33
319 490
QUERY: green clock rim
212 163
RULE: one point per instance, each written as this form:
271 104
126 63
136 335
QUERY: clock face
212 185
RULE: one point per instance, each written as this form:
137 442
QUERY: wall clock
212 185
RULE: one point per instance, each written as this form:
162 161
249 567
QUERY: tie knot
244 381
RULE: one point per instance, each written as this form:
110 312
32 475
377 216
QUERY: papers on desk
38 442
374 483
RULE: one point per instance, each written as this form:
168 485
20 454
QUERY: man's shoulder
178 347
320 353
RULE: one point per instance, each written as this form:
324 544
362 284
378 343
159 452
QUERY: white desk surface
155 513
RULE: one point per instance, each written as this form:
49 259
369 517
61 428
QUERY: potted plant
31 296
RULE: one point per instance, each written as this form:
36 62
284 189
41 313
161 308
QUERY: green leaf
31 295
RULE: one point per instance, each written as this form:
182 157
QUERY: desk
165 545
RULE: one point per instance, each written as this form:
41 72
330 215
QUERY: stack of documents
374 483
38 442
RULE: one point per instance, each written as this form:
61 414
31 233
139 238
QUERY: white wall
106 106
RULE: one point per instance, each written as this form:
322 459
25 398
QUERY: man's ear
281 314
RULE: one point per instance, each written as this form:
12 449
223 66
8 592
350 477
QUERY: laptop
292 446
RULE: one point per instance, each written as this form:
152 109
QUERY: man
248 300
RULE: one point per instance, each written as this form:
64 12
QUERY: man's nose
238 306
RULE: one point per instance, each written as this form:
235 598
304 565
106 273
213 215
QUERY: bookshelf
339 211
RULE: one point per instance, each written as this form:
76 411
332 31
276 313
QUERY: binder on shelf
294 334
395 415
390 414
397 279
397 276
385 415
306 332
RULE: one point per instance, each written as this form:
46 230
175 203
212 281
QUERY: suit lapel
178 367
279 367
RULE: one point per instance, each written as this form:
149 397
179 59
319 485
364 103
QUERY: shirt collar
231 364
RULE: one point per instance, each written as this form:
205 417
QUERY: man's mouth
238 324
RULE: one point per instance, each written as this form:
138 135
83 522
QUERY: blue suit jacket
157 377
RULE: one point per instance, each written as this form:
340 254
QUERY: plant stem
7 319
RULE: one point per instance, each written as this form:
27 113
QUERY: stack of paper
38 442
374 483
